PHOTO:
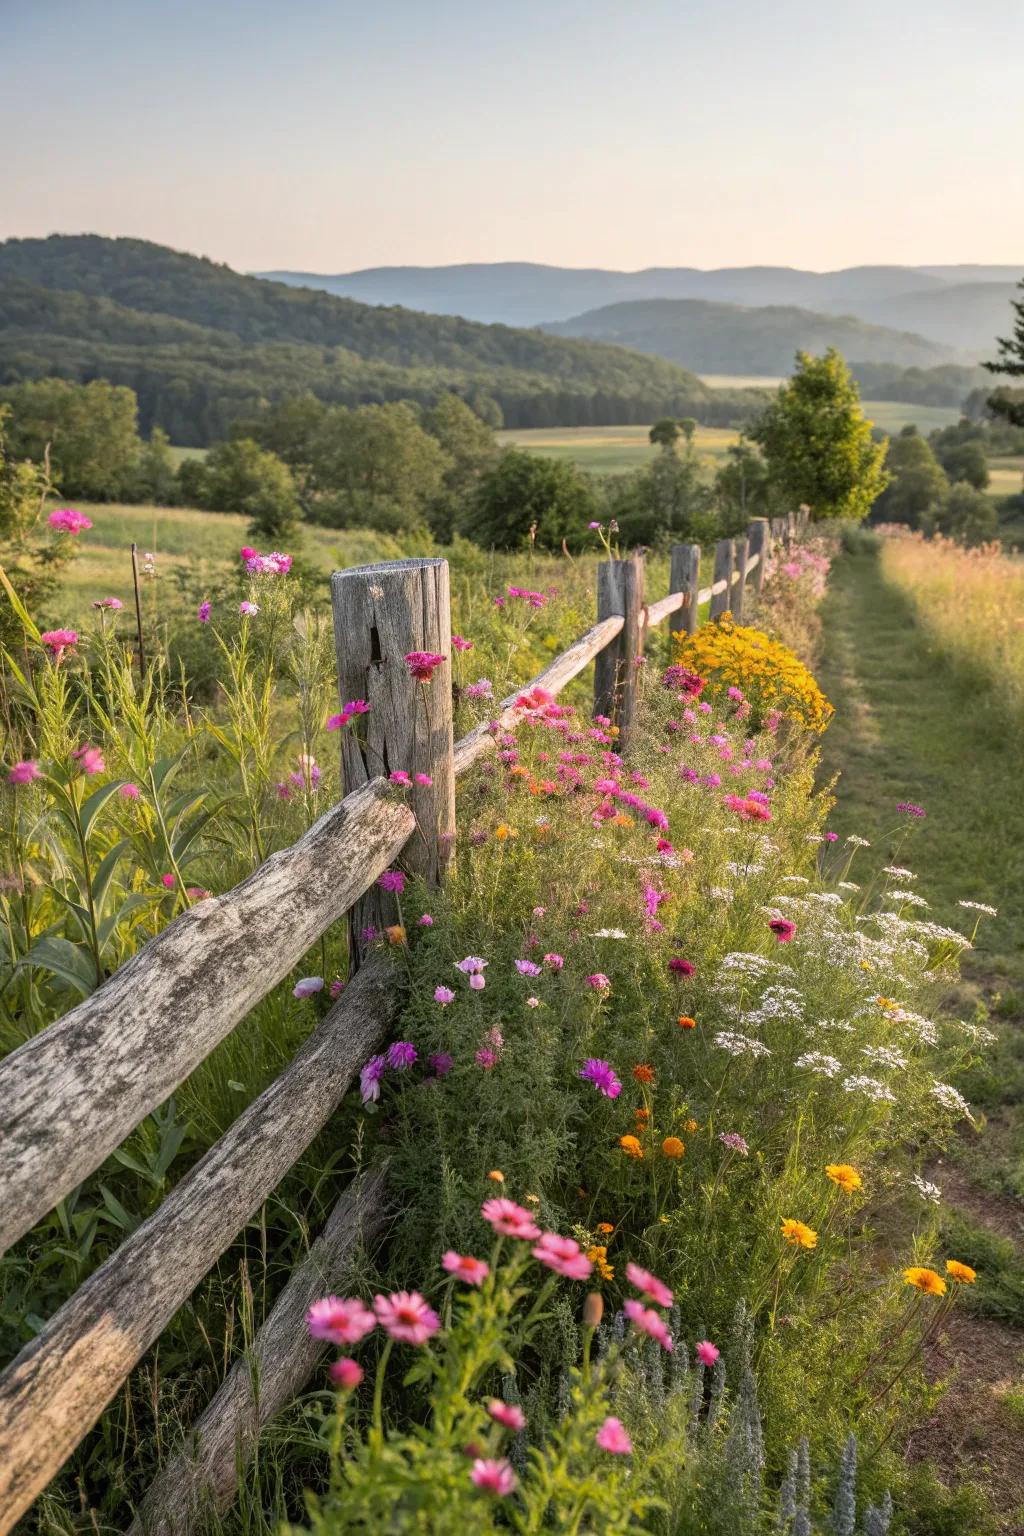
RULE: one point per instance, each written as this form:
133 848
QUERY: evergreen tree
1010 361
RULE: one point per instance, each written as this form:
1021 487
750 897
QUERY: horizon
332 141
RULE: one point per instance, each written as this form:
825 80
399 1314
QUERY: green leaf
127 1161
27 622
163 770
101 879
132 903
70 962
117 1211
95 802
188 834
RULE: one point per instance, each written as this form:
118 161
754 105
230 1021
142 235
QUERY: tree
968 515
522 492
965 463
742 488
917 487
240 476
665 433
375 467
91 431
470 448
817 443
668 501
1010 361
155 480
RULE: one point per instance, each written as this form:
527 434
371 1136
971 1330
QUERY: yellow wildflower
672 1147
799 1234
846 1177
962 1272
926 1280
631 1146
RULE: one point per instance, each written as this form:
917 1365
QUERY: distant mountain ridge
528 293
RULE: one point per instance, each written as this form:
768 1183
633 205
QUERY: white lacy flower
837 1024
858 842
979 906
817 1061
801 880
885 1056
848 885
978 1033
740 1045
870 1086
720 893
926 1189
949 1098
909 897
608 933
898 872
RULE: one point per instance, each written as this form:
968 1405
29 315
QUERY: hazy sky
328 135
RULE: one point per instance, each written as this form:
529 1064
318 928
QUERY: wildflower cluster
770 680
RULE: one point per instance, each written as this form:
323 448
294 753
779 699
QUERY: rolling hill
202 344
730 338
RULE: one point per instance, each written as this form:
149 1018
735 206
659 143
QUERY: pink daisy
654 1289
646 1320
340 1320
510 1219
406 1317
465 1267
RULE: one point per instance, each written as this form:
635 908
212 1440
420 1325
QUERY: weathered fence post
722 572
684 576
740 551
620 590
382 615
757 544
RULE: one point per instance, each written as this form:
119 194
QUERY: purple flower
442 1063
460 643
248 610
484 689
471 966
527 968
401 1055
911 810
486 1058
734 1141
602 1076
203 613
369 1078
556 962
426 921
444 996
392 880
308 986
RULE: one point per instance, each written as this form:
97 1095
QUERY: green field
1006 476
894 415
611 450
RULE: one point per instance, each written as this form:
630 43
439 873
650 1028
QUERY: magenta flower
646 1320
465 1267
527 968
129 791
461 644
555 962
424 780
442 1063
248 610
734 1141
406 1317
508 1414
400 777
680 967
401 1054
59 641
494 1477
486 1058
783 929
337 987
113 603
346 1373
706 1352
274 564
392 880
167 881
24 772
308 986
444 996
369 1078
353 707
90 759
203 612
339 1320
69 520
654 1289
510 1219
613 1438
426 921
423 664
564 1255
484 689
911 810
602 1076
599 981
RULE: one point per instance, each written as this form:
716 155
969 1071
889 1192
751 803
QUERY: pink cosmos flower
465 1267
308 986
113 603
346 1373
706 1352
69 520
401 1054
129 791
424 780
509 1414
527 968
369 1078
564 1255
24 772
494 1477
249 611
406 1317
423 664
168 881
510 1219
599 981
90 759
444 996
602 1075
646 1320
613 1438
59 641
654 1289
339 1320
783 929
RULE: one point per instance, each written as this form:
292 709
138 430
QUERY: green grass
612 450
893 415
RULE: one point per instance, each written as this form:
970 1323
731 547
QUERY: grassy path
907 729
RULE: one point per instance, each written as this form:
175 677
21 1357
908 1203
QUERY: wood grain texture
203 1477
757 542
739 592
71 1094
620 592
684 576
722 581
59 1384
480 740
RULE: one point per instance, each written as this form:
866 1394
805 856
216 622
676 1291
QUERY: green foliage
375 468
967 515
917 486
91 431
525 500
155 478
31 554
1009 402
999 1289
666 503
743 489
817 444
240 476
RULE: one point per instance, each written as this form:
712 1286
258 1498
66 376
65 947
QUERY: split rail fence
71 1094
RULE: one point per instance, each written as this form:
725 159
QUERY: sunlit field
612 450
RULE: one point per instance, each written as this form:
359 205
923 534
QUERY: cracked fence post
684 576
741 551
620 590
382 614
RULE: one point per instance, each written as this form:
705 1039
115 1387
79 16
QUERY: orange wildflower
605 1228
685 1022
643 1073
799 1234
925 1280
962 1272
497 1175
504 832
845 1176
395 934
631 1146
672 1147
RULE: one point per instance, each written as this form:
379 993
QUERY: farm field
1006 476
612 450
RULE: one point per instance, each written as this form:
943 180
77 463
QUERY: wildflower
167 881
605 1228
340 1321
461 644
680 967
274 564
598 1256
564 1255
424 780
406 1317
602 1075
395 933
799 1234
845 1176
508 1414
858 842
533 1002
352 708
646 1320
909 809
949 1098
496 1176
740 1045
612 1437
307 986
527 968
203 611
24 772
686 1022
818 1061
503 832
248 610
90 759
69 520
643 1073
441 1063
925 1280
346 1373
112 604
672 1147
392 880
599 981
401 1054
472 965
735 1142
494 1477
631 1146
783 929
483 689
871 1086
706 1352
510 1219
337 987
59 641
961 1272
465 1267
979 906
423 664
444 996
369 1078
649 1285
486 1058
554 962
926 1189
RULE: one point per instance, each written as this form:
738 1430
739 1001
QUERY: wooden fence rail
70 1095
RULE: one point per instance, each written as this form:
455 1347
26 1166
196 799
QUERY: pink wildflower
494 1477
510 1219
508 1414
24 772
444 996
203 611
654 1289
599 981
400 777
424 780
168 881
613 1438
90 759
59 641
248 610
339 1320
69 520
601 1074
646 1320
459 643
423 664
680 967
465 1267
129 791
405 1316
706 1352
783 929
346 1373
113 603
564 1255
555 962
392 880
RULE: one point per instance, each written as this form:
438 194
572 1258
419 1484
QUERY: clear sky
328 135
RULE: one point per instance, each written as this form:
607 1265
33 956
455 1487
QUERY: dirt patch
999 1214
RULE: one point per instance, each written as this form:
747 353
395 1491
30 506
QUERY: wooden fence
70 1095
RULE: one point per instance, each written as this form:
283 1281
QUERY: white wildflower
608 933
950 1098
817 1061
858 842
898 872
870 1086
885 1056
926 1189
848 885
740 1045
979 906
